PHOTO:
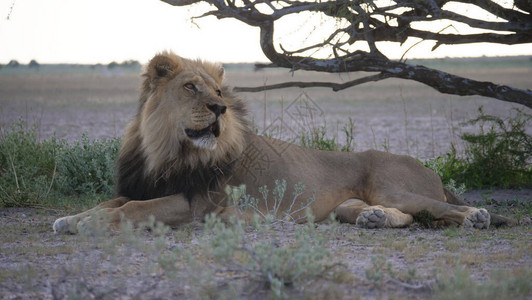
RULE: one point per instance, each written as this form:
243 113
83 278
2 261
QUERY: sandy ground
395 115
38 264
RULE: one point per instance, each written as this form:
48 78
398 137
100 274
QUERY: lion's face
184 106
194 102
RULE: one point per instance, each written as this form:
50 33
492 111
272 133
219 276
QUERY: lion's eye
191 87
219 93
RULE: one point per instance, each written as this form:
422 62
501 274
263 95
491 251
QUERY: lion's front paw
66 225
478 218
372 217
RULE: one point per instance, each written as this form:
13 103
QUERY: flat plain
393 115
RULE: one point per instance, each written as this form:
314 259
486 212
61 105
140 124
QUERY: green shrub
87 167
500 154
37 173
268 260
292 213
27 167
449 166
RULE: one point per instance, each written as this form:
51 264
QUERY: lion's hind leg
442 212
357 212
69 224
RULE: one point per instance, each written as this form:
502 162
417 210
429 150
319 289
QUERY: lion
190 139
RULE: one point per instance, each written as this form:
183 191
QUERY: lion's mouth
214 129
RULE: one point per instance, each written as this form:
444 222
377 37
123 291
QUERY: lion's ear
221 73
165 65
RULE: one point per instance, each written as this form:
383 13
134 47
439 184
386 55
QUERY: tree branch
375 22
499 11
452 84
441 81
301 84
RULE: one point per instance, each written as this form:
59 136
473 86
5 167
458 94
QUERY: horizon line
5 63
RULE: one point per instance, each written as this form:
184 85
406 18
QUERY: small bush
33 171
448 166
268 260
27 167
292 213
500 155
88 166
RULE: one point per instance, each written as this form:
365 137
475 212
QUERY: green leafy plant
317 138
501 153
27 166
37 172
88 166
272 213
349 131
267 259
449 166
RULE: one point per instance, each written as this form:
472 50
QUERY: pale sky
101 31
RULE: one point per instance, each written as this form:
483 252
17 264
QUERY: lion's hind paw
371 217
478 219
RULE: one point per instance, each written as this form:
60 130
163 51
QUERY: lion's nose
217 109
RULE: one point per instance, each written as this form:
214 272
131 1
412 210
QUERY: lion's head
185 107
187 120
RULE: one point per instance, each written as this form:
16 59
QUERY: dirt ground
398 116
405 263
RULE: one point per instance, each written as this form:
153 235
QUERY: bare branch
499 11
441 81
499 26
319 45
300 84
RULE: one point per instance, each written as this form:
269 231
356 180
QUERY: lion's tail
496 220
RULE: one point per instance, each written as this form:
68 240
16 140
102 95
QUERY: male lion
190 139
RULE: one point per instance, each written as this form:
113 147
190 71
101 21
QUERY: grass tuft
425 219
